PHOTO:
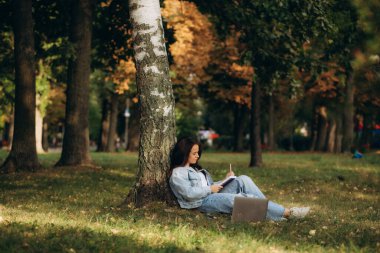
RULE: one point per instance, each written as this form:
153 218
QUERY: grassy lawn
76 210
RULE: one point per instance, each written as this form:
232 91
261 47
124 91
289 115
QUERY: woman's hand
230 173
216 188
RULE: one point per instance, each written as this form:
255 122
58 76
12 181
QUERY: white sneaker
298 212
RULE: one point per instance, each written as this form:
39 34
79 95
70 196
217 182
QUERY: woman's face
193 156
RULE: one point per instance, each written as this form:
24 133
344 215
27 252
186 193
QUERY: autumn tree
187 29
211 68
121 78
156 102
325 92
23 155
333 78
274 34
190 54
231 83
367 98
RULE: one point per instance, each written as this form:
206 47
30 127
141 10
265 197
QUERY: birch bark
156 103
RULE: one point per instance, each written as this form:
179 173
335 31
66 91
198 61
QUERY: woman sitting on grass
194 187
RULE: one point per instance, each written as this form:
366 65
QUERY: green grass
76 209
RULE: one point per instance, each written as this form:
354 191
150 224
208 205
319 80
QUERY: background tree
23 155
274 34
115 69
43 79
7 87
75 149
7 76
156 103
230 88
187 30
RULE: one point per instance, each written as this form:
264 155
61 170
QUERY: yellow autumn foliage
194 41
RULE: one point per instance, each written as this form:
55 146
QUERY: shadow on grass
18 237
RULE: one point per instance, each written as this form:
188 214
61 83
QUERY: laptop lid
249 209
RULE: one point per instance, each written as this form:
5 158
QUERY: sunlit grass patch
77 209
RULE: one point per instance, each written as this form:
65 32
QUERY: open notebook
249 209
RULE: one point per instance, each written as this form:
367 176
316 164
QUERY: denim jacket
185 183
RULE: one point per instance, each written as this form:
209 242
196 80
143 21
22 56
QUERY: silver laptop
249 209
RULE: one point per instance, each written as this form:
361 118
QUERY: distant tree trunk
348 121
322 128
291 139
367 130
76 142
255 138
271 143
134 130
9 129
39 129
126 128
314 128
339 135
113 123
45 139
239 116
23 154
103 135
156 102
331 135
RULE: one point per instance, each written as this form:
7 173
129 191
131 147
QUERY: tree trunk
103 135
314 128
348 120
271 143
291 139
9 129
126 128
134 130
23 154
45 139
322 128
113 123
339 135
255 138
367 130
331 136
76 143
156 102
239 115
39 129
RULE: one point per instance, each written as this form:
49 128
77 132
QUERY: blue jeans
223 201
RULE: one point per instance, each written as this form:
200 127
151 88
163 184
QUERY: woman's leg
218 203
275 211
247 186
233 187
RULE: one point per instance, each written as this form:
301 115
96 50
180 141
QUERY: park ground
77 209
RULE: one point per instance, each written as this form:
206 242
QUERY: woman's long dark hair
181 151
